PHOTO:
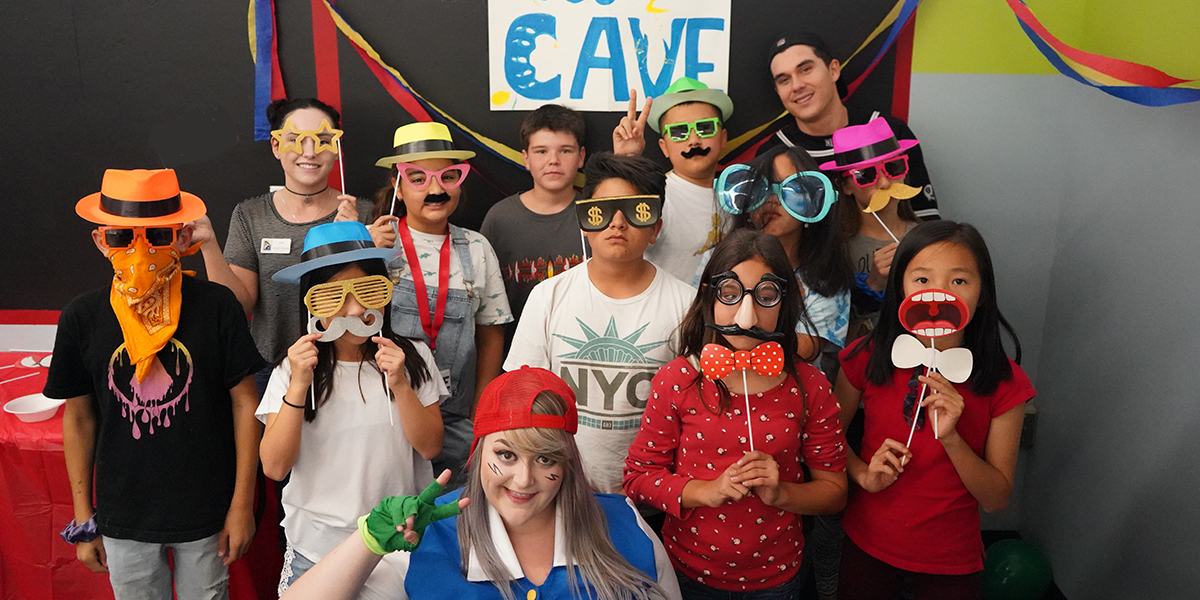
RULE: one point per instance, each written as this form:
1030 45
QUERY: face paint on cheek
552 477
495 469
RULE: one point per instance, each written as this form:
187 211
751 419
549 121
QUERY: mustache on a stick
898 191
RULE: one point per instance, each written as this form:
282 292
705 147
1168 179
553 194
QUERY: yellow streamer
253 35
357 39
887 22
1104 79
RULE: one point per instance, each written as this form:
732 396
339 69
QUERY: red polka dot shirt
745 545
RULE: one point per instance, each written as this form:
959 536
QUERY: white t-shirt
491 306
350 456
692 221
607 350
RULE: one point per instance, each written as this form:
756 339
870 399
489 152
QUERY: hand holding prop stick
931 313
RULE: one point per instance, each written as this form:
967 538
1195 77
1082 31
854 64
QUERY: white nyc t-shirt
607 350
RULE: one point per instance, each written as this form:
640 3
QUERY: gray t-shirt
531 247
262 241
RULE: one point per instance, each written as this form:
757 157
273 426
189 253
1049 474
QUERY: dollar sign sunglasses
595 214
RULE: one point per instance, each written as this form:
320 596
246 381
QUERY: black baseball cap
802 38
812 40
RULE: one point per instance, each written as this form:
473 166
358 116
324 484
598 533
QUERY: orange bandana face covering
146 298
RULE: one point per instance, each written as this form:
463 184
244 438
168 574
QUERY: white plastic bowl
33 408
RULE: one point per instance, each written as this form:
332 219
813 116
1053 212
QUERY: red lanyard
414 266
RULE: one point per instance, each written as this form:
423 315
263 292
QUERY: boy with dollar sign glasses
606 326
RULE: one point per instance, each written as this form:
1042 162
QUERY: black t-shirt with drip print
165 456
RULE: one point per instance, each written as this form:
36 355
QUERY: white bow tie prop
933 314
955 364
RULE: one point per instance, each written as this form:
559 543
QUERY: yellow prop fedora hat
420 141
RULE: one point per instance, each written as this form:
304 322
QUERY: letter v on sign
650 8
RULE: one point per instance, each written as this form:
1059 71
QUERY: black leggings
865 577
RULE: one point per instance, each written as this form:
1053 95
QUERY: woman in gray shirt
266 233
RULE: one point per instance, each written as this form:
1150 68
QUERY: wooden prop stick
388 389
312 395
920 398
932 368
396 192
885 227
341 166
749 422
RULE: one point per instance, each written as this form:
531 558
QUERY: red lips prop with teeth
933 313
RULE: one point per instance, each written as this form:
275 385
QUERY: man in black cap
807 79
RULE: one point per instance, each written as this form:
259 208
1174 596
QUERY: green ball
1015 570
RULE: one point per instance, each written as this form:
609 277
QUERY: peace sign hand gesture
629 137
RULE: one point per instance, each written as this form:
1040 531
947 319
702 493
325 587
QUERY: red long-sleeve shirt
745 545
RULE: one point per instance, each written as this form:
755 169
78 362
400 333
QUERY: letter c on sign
519 44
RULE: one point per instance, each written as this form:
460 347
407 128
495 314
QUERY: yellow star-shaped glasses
291 139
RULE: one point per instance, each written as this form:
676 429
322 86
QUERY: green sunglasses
680 132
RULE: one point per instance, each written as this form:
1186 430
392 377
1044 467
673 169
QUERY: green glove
378 529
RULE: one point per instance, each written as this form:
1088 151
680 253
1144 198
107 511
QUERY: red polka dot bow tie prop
718 362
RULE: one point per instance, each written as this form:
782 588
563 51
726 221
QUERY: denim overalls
455 352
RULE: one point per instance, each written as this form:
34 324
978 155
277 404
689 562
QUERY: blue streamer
1138 94
264 33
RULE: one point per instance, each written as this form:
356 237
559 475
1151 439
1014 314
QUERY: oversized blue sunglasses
807 195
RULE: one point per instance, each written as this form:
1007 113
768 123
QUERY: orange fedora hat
140 198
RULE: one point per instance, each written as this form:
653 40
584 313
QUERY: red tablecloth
35 503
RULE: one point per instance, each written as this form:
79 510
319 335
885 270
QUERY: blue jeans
294 565
139 570
694 590
456 449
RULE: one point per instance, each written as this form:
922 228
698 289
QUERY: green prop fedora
686 89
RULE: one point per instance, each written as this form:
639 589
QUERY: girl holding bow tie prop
725 451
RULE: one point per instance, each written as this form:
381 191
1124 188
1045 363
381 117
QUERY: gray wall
1091 207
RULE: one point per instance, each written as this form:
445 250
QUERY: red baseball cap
507 403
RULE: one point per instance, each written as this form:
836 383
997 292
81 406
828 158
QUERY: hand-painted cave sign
588 54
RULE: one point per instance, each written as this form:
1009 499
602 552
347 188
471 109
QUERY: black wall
86 83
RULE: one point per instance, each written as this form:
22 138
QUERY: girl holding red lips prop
721 454
918 515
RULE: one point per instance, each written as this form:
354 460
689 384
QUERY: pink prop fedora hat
860 145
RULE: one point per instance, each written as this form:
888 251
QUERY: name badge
275 246
445 373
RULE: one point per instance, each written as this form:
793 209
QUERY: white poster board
588 54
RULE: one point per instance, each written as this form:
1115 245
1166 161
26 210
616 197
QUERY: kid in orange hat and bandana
157 373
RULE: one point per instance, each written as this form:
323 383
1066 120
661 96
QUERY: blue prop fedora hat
333 244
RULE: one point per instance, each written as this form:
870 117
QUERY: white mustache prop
355 325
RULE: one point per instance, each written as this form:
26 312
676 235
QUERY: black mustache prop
437 198
753 332
696 151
